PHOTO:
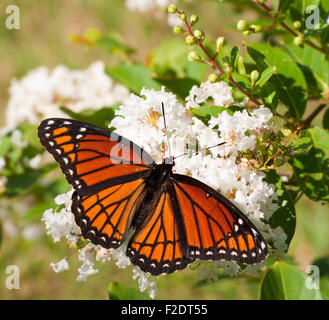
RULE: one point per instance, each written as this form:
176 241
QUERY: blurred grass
43 40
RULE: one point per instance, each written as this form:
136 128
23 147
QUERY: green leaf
204 113
320 139
285 215
285 282
113 43
288 80
269 96
20 184
325 120
303 142
314 65
101 117
234 54
133 76
266 75
169 59
180 87
119 292
311 171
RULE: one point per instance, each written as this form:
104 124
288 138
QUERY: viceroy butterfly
118 187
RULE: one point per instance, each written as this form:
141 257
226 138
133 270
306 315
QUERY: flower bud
213 77
254 75
182 16
172 8
193 56
241 25
219 43
189 40
178 29
256 27
194 19
246 33
199 34
297 24
298 41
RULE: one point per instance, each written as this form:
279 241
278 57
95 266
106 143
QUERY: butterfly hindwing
156 246
215 229
90 157
105 217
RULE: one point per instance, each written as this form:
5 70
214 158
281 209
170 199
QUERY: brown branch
212 62
292 32
306 123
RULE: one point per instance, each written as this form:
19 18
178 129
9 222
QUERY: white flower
144 282
2 163
62 223
35 161
220 92
60 266
122 261
147 5
230 267
86 256
174 20
42 92
16 139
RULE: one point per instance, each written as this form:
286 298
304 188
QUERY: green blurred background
44 40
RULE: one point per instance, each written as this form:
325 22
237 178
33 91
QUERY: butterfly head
169 161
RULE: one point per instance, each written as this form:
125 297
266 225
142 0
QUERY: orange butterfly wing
215 229
105 217
156 246
90 157
107 172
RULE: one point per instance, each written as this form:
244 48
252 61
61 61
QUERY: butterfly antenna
196 151
165 126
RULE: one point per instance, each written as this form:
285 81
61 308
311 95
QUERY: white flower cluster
140 119
62 224
147 5
42 92
156 8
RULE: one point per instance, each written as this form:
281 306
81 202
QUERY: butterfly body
176 219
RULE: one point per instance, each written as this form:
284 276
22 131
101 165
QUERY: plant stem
292 32
212 62
306 123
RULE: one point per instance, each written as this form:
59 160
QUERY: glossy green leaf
286 282
119 292
101 117
269 96
180 87
314 65
320 139
266 75
311 171
285 215
325 120
21 183
169 59
288 80
133 76
204 113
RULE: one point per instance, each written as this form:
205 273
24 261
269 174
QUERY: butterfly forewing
215 229
92 158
